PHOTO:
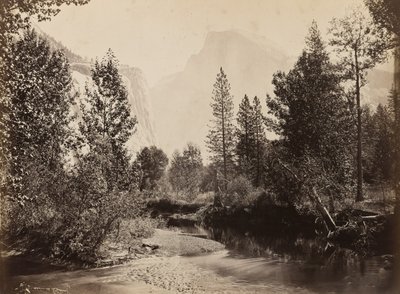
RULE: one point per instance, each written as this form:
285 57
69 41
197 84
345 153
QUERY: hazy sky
159 36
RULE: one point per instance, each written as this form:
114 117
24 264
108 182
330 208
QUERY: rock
151 246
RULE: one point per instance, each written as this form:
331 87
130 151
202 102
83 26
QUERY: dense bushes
59 211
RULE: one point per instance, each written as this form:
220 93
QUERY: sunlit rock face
135 83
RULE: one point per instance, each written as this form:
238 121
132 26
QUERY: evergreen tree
221 135
378 142
106 115
251 140
245 136
361 45
310 113
259 142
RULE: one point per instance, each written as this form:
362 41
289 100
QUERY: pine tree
106 116
245 136
310 113
221 135
259 142
361 45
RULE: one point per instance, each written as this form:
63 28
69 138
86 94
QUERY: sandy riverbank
170 267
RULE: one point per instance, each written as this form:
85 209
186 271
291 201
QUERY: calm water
278 263
294 261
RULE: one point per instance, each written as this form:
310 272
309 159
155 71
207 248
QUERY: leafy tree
221 136
15 15
68 214
361 44
90 210
39 88
106 113
310 114
386 13
152 162
185 171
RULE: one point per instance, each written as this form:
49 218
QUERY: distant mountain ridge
186 96
182 101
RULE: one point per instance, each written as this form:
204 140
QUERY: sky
159 36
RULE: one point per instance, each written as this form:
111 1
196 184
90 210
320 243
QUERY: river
252 262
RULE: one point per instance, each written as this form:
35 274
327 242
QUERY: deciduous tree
106 113
152 162
361 44
186 171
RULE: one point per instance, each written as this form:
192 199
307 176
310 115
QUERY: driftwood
52 290
313 196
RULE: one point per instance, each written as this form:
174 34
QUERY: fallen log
313 196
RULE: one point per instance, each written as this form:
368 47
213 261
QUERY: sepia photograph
199 146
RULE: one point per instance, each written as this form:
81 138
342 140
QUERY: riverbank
157 268
185 262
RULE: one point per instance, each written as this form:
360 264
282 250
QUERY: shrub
238 190
130 230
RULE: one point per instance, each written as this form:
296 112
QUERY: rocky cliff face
135 83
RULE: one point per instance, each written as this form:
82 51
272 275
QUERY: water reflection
294 260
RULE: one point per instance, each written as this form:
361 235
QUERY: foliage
130 230
106 113
220 139
238 189
208 181
69 213
311 114
185 171
109 114
386 13
357 36
39 89
379 147
361 44
259 143
152 162
251 140
15 15
74 222
245 136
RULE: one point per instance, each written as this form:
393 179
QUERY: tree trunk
314 198
359 196
330 223
224 149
